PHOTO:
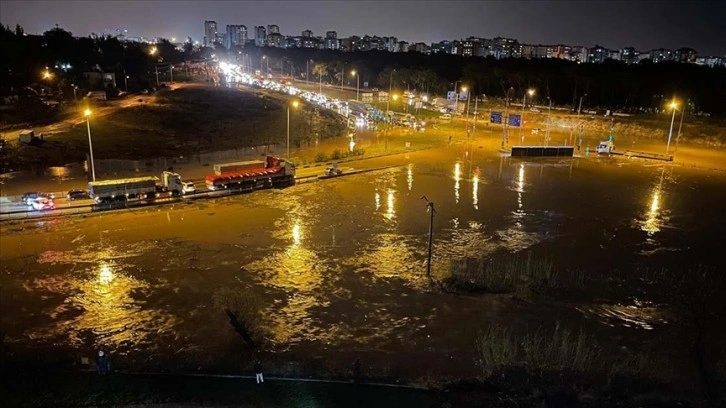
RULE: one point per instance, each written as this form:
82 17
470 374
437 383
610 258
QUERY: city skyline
642 25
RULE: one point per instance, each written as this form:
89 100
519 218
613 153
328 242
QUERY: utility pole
432 211
678 136
476 113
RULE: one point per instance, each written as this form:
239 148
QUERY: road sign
496 117
515 120
451 95
463 95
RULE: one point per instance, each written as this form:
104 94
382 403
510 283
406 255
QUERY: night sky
614 24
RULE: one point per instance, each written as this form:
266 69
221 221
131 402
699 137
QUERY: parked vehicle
445 116
189 188
77 195
171 182
43 203
123 189
333 171
29 197
605 147
273 172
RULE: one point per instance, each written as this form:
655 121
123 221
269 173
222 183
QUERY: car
333 171
189 188
78 195
43 203
29 197
445 116
533 109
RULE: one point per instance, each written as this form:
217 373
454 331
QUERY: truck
605 147
138 187
29 137
220 169
122 189
273 172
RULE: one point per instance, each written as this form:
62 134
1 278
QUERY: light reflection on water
457 179
654 218
409 176
475 191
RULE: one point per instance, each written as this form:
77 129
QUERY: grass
187 120
561 353
519 272
560 350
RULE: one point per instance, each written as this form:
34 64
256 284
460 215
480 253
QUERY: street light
529 92
87 114
466 121
153 50
673 106
47 74
357 86
294 105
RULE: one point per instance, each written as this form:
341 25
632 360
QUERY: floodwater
333 270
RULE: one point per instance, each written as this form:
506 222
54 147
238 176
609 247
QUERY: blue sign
515 120
464 95
496 117
451 95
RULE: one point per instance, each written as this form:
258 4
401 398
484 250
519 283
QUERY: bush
502 274
321 157
537 352
336 155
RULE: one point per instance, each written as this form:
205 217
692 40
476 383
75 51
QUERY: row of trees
611 85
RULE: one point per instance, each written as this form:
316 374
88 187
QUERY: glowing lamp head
530 92
295 104
395 97
153 51
674 105
352 72
464 89
87 113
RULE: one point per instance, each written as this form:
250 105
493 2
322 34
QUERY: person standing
102 365
258 372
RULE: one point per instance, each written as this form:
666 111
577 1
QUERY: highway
13 208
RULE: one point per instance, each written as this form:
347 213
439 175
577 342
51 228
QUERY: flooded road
333 270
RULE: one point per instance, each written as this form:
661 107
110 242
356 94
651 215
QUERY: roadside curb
268 378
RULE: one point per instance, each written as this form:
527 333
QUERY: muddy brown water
335 269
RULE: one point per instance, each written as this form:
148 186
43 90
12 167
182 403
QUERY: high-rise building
236 36
273 29
307 34
660 55
629 55
597 54
275 40
260 36
331 40
686 55
210 33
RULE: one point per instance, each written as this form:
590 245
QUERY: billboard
515 120
451 95
464 95
495 117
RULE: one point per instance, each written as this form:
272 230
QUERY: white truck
123 189
605 147
138 187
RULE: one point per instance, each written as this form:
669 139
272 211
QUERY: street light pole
549 112
294 105
156 69
87 113
670 133
678 136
